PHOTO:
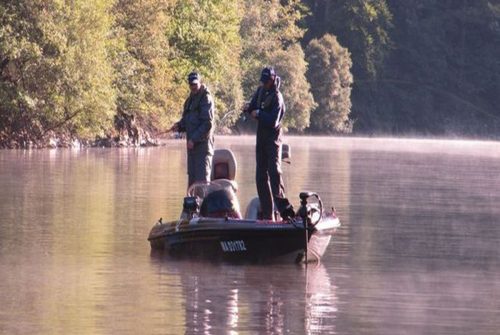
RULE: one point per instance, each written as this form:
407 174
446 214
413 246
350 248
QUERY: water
417 253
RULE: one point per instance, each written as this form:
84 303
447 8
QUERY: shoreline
149 141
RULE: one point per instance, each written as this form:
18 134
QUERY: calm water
418 252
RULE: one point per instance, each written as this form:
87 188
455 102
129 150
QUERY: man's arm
179 126
253 102
206 119
273 118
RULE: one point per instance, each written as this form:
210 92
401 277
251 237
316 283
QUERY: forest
89 71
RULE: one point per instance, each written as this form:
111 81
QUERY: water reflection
417 253
424 206
419 297
221 298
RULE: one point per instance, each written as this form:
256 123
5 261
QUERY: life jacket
192 103
264 102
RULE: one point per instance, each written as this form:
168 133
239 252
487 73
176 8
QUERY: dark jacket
270 105
198 117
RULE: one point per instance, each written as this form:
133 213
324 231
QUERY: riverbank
142 138
54 140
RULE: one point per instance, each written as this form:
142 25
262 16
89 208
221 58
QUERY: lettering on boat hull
233 246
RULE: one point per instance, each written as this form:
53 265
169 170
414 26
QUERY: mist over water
417 253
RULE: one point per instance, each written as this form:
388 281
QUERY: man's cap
266 74
194 78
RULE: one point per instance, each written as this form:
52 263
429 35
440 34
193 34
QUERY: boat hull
242 240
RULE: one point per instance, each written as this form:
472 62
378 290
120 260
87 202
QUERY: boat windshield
218 198
202 189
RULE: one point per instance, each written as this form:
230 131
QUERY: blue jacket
270 104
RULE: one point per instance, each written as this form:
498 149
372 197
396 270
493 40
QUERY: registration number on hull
233 246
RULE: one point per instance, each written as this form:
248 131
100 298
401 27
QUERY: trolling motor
310 213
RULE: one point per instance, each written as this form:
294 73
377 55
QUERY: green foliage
291 66
145 79
19 53
205 38
363 26
55 70
331 79
266 28
85 99
270 31
369 22
421 66
444 75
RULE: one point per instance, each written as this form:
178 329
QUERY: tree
270 31
19 52
331 79
362 26
55 69
145 79
204 37
85 98
291 66
267 27
443 74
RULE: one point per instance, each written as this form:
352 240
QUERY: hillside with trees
104 70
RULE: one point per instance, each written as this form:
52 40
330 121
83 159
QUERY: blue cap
266 74
194 78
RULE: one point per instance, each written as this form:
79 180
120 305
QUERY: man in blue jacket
268 108
198 123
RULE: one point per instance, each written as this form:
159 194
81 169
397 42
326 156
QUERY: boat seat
253 209
223 165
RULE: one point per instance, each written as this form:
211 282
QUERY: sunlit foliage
331 80
270 31
418 66
55 68
145 79
205 37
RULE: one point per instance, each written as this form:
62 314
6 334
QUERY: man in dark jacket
268 108
198 123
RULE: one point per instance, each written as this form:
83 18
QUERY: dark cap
266 74
194 78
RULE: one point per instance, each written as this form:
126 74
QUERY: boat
211 226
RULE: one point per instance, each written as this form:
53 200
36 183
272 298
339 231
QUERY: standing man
268 108
198 123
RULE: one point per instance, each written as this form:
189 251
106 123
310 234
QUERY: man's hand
190 145
175 127
246 107
255 113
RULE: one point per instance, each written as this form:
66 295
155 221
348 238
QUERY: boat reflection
264 299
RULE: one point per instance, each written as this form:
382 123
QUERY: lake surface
418 252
